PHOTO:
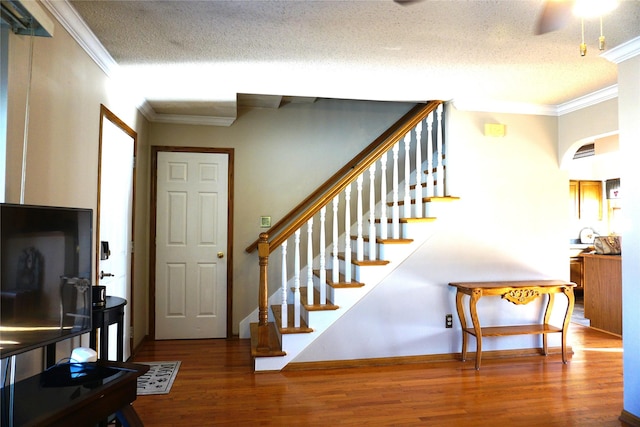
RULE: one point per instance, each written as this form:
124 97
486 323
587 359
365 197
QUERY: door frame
155 149
105 113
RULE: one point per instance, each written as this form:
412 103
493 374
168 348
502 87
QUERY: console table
111 313
519 293
73 395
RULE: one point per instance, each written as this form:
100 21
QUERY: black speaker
98 295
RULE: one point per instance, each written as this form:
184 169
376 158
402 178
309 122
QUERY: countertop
594 255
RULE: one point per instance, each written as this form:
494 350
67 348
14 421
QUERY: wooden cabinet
576 271
585 200
603 292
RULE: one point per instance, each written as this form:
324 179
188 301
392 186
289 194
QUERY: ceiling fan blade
406 2
555 15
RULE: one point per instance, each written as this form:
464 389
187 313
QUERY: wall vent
585 151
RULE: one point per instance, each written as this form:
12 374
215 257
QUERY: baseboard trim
430 358
135 350
629 420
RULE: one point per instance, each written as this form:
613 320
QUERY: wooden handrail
345 176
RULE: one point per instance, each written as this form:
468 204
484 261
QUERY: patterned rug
159 378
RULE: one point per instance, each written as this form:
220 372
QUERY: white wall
629 101
509 225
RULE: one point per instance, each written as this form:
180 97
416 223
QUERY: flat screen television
46 275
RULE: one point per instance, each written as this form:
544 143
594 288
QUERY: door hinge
132 246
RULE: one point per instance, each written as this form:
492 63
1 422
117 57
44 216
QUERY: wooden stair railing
388 137
340 182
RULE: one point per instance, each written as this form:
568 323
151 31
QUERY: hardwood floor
216 386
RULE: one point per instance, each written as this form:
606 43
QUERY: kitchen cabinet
576 271
603 292
585 200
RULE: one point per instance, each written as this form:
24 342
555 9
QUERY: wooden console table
519 293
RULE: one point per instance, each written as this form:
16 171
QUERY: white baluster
407 175
347 237
430 189
283 305
395 210
418 188
335 267
372 212
359 238
323 261
296 281
439 168
310 261
383 197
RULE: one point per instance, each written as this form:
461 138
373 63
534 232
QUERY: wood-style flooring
216 386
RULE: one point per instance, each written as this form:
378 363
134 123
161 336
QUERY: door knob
103 275
220 254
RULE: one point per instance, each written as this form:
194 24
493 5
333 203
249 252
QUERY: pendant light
593 9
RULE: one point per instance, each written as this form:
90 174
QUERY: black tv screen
46 273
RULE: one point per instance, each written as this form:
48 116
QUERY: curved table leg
568 291
473 301
547 317
463 323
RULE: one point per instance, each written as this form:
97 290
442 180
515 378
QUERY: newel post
263 295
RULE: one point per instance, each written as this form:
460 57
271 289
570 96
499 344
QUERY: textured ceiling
378 50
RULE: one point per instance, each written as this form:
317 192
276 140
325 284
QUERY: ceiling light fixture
593 8
585 9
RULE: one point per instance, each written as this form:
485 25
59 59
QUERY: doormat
159 378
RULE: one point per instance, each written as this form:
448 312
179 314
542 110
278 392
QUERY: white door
115 220
191 244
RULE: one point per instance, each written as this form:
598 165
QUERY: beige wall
281 155
67 88
581 126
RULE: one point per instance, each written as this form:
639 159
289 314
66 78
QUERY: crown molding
623 52
589 100
82 34
69 18
66 14
152 116
585 101
194 120
492 106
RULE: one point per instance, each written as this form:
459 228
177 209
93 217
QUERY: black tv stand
108 388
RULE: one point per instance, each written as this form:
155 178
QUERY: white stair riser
345 298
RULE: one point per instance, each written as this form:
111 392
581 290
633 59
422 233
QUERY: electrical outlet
448 321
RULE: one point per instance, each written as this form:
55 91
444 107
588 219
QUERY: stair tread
275 348
428 200
387 241
290 329
364 261
342 283
411 220
316 306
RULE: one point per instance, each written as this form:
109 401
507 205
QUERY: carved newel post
263 295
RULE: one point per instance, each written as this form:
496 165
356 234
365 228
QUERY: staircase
326 262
